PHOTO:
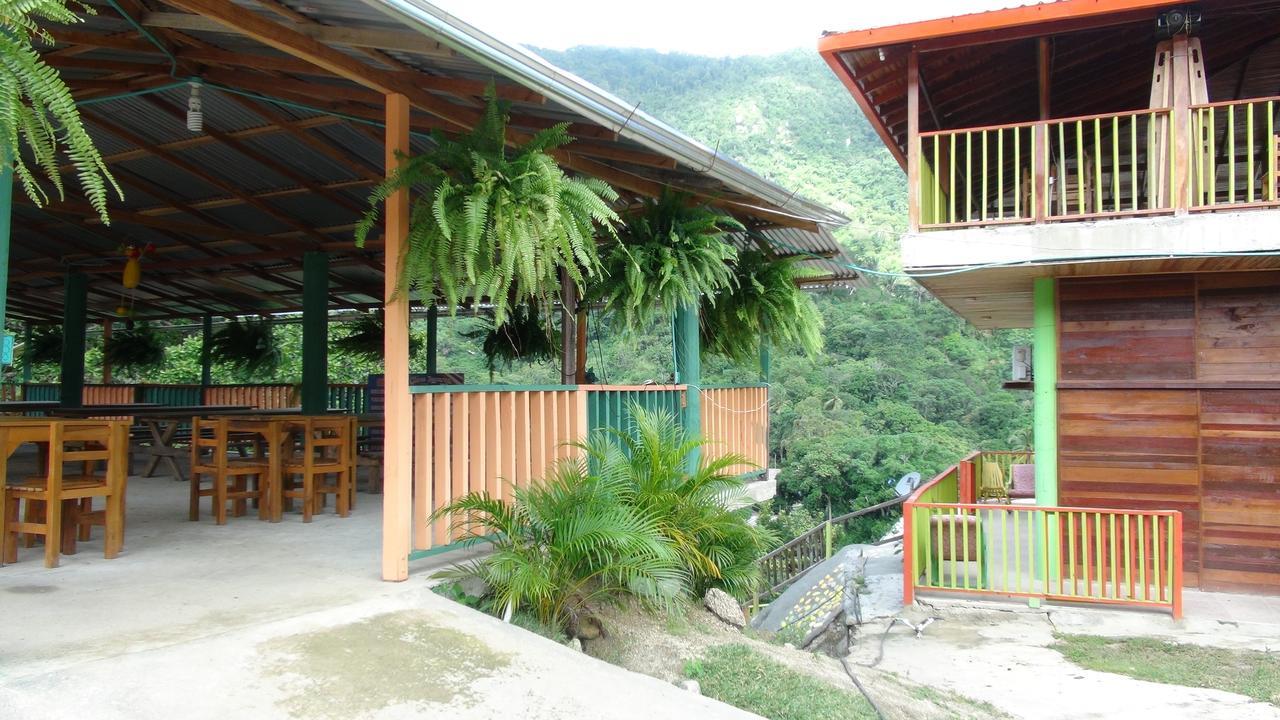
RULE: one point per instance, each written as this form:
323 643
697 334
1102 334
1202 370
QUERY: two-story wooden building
1105 172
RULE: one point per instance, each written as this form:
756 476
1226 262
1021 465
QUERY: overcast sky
700 27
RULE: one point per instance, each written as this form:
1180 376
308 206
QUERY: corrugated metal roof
232 241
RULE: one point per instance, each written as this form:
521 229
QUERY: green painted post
1044 360
315 327
766 361
26 353
433 338
74 316
6 212
688 359
206 352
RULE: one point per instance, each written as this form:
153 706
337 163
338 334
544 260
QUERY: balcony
1099 167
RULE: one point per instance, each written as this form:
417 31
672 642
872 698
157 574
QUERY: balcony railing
1095 555
1098 167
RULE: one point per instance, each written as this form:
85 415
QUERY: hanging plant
365 335
133 348
668 254
493 223
765 304
45 345
524 337
247 345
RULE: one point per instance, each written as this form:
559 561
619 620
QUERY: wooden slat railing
736 420
486 438
1234 160
1097 555
1079 168
110 394
265 397
609 406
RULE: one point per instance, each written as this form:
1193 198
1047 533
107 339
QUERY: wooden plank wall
1169 398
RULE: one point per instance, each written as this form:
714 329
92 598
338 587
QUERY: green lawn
1245 672
742 677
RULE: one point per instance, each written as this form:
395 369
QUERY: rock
722 605
575 644
832 640
692 686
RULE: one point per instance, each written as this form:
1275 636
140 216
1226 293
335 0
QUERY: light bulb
195 111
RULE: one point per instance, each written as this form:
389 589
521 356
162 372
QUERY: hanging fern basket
524 337
496 224
133 348
365 336
764 304
246 345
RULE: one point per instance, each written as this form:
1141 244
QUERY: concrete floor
288 620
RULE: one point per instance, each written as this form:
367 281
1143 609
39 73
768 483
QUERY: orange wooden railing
486 438
265 397
736 420
1095 555
110 394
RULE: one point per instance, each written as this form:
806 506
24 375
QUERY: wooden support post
913 141
206 353
397 504
433 338
26 354
1044 371
568 330
6 222
688 360
315 330
581 333
1179 121
1040 136
74 312
106 340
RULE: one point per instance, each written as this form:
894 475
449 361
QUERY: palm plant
670 253
37 110
765 304
563 545
248 345
491 223
716 546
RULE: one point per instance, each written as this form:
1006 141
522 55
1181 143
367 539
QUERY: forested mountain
902 384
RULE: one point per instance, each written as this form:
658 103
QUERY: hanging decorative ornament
132 275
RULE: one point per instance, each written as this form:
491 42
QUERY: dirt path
1004 658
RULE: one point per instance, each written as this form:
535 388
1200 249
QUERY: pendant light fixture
195 110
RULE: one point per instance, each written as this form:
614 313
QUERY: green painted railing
1098 555
1234 154
41 391
609 407
170 394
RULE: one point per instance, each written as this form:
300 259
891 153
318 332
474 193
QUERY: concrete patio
253 619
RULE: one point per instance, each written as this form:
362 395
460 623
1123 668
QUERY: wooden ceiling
293 103
1100 63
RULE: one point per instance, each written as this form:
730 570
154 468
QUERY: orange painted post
397 508
1177 566
908 558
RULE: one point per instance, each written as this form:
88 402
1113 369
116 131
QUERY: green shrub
565 544
717 546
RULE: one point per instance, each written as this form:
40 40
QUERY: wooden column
433 338
6 213
26 353
397 507
315 333
106 340
568 330
1040 142
688 359
74 311
913 140
581 332
1179 121
206 354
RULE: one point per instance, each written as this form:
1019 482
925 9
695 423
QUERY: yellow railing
1077 168
1097 555
1233 154
736 420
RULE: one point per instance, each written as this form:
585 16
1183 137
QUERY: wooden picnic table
26 406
